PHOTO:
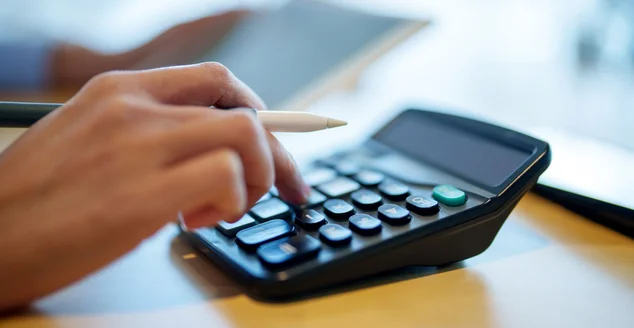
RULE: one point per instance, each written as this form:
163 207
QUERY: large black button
338 187
369 178
365 225
311 220
366 200
231 229
334 234
422 205
319 176
393 190
251 238
338 209
288 250
394 214
272 209
347 168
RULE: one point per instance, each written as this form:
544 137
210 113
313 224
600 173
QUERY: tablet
591 177
282 52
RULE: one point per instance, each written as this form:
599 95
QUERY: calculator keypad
347 168
350 208
272 209
393 190
368 178
422 205
365 225
320 176
338 209
231 229
339 187
449 195
335 235
314 199
311 220
394 214
288 250
366 200
255 236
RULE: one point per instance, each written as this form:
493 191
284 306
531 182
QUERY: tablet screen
280 52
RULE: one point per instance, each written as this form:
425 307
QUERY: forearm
36 66
74 65
24 66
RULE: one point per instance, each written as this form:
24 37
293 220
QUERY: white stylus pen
20 114
285 121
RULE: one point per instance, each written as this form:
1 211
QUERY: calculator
427 189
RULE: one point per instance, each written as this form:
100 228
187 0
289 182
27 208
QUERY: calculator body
445 185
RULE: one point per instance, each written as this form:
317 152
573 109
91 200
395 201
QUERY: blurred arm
24 66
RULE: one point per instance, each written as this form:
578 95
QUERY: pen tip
333 123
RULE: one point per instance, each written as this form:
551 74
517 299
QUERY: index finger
205 84
288 178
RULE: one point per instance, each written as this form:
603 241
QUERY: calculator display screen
454 150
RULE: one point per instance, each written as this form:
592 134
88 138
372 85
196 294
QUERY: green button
449 195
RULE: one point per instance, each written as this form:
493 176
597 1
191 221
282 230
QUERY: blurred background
566 64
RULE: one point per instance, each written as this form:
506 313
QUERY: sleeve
24 66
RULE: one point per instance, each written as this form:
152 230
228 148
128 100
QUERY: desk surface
547 267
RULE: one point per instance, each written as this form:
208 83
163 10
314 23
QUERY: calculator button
330 161
264 197
394 214
449 195
288 250
366 200
369 178
338 187
319 176
334 234
422 205
364 224
231 229
274 191
393 190
252 237
311 220
338 209
314 199
272 209
347 168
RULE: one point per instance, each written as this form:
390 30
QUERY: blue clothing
24 66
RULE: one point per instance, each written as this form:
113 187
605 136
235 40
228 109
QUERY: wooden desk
547 268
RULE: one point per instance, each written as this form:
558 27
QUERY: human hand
74 65
125 156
